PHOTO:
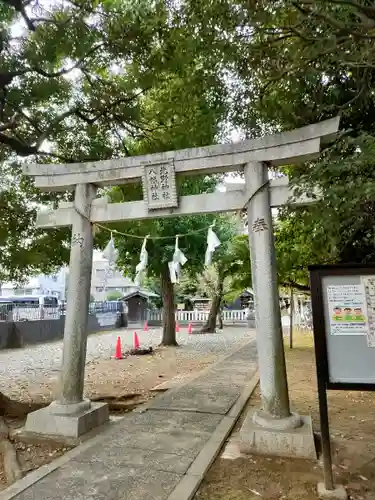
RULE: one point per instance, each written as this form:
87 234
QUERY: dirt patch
113 378
30 456
141 374
235 477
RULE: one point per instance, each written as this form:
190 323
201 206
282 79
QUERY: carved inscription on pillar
259 225
159 186
77 239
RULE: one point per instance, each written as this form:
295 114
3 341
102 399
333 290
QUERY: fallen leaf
255 492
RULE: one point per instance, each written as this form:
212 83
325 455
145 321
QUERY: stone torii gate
70 415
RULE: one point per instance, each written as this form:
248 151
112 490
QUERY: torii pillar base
287 437
66 421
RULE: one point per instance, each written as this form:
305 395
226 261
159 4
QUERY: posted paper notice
347 310
369 284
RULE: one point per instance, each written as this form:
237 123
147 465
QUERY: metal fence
228 316
10 312
27 312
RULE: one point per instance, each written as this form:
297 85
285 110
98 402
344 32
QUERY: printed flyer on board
369 284
347 307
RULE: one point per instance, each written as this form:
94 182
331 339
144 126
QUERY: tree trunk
210 326
11 467
169 320
221 325
291 319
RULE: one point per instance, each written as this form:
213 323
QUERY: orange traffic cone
145 328
118 353
177 327
136 341
190 329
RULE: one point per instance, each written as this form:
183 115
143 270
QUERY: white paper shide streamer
110 253
140 270
178 260
212 243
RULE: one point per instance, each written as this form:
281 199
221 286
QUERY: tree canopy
84 81
298 62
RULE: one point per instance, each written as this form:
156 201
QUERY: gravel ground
37 363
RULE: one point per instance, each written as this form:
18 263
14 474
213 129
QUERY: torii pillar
70 415
273 429
274 388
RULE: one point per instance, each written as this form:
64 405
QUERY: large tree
79 67
73 82
295 62
186 109
317 61
292 61
64 75
215 280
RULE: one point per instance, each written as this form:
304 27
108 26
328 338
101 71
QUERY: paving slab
238 379
249 352
174 382
165 421
146 456
178 442
227 375
101 481
136 457
200 398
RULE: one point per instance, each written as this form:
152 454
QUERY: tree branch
100 114
341 27
10 125
25 116
300 65
46 20
23 149
274 41
68 70
17 145
7 77
20 7
49 129
368 11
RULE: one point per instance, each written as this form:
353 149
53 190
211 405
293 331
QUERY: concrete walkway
157 454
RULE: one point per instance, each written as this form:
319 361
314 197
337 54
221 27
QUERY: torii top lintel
278 149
